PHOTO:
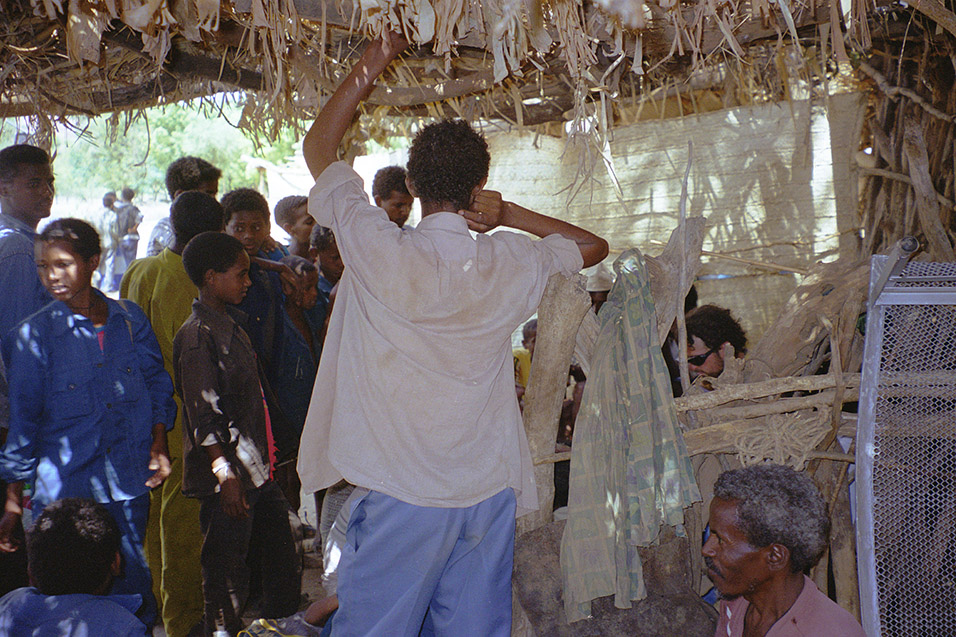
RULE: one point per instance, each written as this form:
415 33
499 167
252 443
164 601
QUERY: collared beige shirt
415 395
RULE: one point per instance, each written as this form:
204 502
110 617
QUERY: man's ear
95 261
474 191
208 275
778 557
478 188
378 200
408 184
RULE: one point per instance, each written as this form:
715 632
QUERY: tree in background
107 152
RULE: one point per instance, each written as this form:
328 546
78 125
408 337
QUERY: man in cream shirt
414 397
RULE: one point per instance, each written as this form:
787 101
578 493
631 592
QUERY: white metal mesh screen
908 430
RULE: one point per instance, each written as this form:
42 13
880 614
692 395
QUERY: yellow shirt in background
522 358
162 288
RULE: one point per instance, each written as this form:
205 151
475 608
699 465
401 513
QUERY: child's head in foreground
448 163
247 218
74 548
67 254
292 215
306 294
219 266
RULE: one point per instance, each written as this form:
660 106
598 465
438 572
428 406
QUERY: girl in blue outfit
90 402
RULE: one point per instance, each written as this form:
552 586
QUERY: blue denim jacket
81 419
20 287
27 611
295 376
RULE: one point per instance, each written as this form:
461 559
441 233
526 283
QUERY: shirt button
71 386
109 405
129 370
99 364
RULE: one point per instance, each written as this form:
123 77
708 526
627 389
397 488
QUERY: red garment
270 439
813 614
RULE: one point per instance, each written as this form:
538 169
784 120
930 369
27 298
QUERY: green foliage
111 151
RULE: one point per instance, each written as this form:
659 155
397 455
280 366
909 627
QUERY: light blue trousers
410 570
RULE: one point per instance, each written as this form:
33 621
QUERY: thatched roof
528 61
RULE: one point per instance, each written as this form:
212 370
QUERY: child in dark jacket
227 442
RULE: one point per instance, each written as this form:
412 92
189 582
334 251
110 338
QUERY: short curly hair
321 238
446 161
715 326
207 251
285 209
777 505
12 157
72 546
82 238
193 212
246 200
188 173
299 265
388 180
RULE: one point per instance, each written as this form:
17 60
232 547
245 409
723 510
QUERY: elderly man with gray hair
768 527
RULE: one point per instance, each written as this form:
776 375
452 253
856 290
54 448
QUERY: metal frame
887 273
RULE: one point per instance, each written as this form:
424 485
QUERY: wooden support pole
564 304
763 389
823 400
914 146
843 554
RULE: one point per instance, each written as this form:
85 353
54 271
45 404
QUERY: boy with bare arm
414 398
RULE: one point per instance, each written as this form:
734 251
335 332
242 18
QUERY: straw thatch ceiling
527 61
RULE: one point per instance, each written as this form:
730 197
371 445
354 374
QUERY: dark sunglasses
700 358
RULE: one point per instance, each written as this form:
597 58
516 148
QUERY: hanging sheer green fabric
630 472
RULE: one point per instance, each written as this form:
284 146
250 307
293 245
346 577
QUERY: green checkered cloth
630 472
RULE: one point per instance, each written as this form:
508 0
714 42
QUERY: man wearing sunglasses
709 328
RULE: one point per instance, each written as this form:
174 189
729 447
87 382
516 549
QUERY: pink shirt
415 396
812 615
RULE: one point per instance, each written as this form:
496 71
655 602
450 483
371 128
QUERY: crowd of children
179 409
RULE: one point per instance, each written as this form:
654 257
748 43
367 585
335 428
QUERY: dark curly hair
188 173
12 157
321 238
299 265
777 505
388 180
715 326
246 200
71 547
210 251
446 161
82 238
193 212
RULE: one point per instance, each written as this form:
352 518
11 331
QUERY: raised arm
490 211
325 135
